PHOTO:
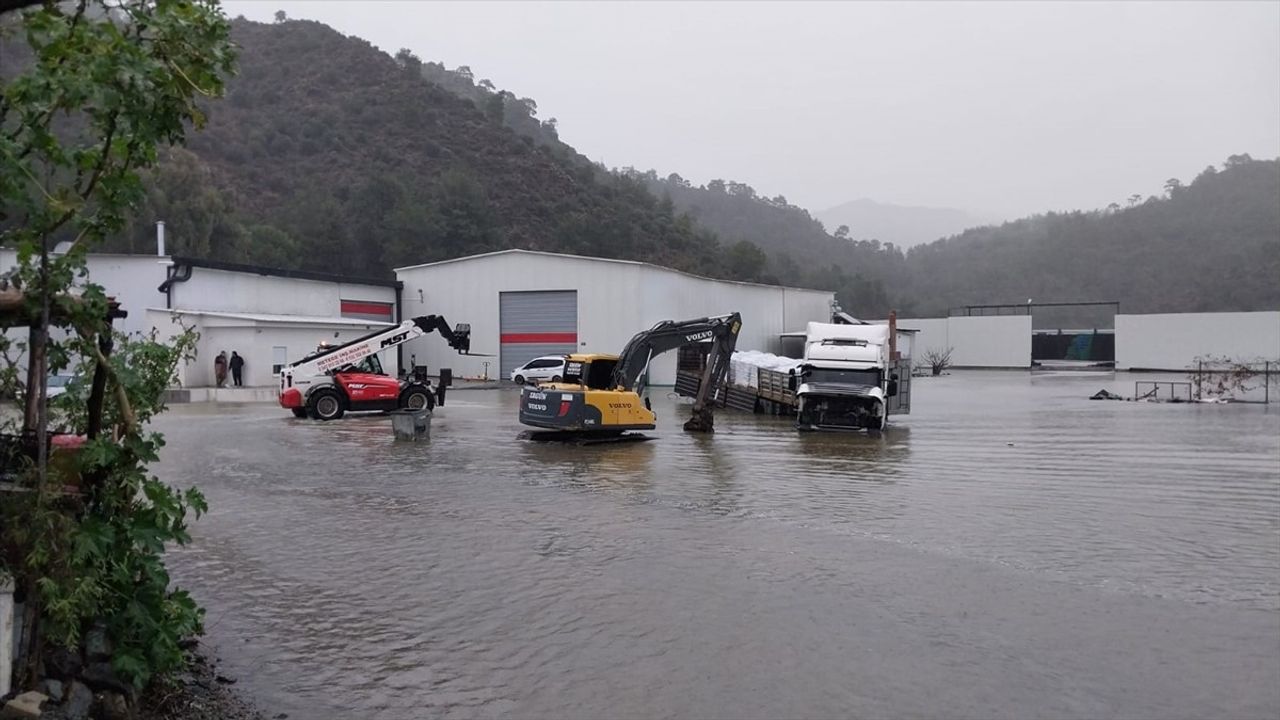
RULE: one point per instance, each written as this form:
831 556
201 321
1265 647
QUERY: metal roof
278 319
603 260
282 272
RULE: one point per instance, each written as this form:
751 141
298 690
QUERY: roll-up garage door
536 323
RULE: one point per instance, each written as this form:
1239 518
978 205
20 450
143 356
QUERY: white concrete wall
1171 341
615 301
932 335
226 291
991 342
994 342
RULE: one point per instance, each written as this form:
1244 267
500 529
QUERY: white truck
849 377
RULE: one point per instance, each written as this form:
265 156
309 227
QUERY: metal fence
1158 391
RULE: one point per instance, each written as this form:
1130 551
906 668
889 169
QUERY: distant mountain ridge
903 225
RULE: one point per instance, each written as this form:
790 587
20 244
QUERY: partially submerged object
850 377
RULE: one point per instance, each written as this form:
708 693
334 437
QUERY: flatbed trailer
774 393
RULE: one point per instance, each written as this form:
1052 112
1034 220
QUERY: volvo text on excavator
349 377
600 396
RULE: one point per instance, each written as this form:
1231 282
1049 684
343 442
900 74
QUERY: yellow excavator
599 397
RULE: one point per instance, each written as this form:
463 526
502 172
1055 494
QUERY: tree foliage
90 93
364 165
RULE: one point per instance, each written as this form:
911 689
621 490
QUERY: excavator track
583 438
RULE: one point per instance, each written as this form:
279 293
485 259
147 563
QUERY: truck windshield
869 377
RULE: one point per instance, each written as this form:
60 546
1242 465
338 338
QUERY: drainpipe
178 272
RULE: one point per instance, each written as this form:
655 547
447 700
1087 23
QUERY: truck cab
849 379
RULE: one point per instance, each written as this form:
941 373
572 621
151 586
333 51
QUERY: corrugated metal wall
533 323
615 299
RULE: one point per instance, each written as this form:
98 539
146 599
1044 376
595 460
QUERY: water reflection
623 467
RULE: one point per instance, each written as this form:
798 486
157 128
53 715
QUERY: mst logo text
394 339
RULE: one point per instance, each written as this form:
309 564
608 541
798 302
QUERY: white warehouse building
522 304
269 316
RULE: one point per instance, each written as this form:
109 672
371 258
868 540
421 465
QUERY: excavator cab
591 371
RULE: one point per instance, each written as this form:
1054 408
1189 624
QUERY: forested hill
1212 245
329 154
1149 254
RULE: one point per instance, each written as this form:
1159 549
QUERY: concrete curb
177 396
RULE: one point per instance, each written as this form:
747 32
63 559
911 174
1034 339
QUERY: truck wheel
325 405
519 379
299 412
555 379
417 398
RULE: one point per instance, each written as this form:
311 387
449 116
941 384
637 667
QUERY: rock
96 646
225 680
113 706
63 663
79 701
100 677
27 705
52 688
188 643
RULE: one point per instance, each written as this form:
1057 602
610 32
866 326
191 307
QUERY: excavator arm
721 330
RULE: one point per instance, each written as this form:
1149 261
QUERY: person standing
220 369
237 369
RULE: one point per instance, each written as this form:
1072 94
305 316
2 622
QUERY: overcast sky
1002 108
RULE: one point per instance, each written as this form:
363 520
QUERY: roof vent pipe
893 336
160 238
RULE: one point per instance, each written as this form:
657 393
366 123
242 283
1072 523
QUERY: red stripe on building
366 308
544 338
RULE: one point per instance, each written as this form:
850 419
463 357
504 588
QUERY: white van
547 367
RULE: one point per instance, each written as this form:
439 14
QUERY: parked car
547 367
57 385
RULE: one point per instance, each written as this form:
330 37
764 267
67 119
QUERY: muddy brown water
1008 550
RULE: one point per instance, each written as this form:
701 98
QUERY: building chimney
893 335
160 238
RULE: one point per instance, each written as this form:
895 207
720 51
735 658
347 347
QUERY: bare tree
1220 377
938 360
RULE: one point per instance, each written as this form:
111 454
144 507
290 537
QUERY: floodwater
1010 549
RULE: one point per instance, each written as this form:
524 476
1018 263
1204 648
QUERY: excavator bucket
702 421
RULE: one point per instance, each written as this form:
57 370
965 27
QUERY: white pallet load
748 363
